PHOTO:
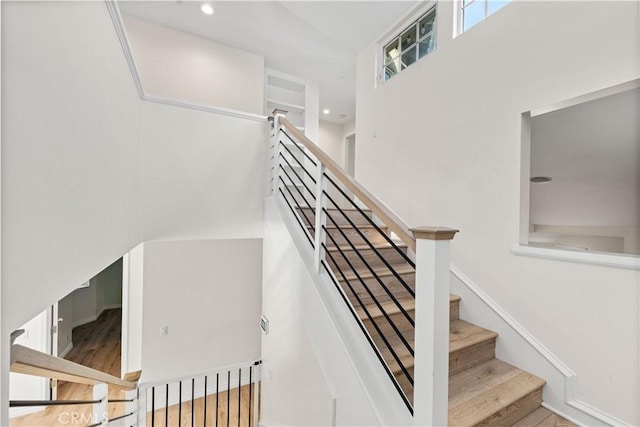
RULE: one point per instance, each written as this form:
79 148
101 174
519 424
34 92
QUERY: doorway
350 154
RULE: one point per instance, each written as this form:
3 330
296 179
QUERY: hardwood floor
96 345
224 418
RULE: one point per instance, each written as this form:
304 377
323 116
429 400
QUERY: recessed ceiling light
326 111
540 179
207 9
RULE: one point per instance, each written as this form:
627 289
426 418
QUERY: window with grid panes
474 11
413 43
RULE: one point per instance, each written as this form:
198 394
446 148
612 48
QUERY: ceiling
316 40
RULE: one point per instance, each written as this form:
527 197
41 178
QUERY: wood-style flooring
96 345
183 416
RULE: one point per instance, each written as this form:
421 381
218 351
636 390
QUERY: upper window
474 11
414 42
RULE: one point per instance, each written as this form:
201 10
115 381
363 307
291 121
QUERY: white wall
447 136
203 175
177 65
28 387
208 294
331 140
70 200
306 362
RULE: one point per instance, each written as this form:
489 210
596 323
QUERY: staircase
483 390
370 255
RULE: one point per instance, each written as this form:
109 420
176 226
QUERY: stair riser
355 216
454 310
471 356
391 255
399 320
516 411
354 237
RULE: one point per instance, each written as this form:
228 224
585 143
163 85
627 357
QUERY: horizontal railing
373 259
25 360
226 397
384 214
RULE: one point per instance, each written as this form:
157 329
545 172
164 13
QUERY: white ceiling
316 40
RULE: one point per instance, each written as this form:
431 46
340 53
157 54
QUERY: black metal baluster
228 395
366 240
205 401
193 408
166 406
372 222
301 148
304 229
394 380
180 404
384 313
239 388
217 395
250 393
373 273
153 406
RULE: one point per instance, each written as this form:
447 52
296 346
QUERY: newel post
431 363
274 148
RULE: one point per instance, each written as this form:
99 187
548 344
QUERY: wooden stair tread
313 208
467 335
542 417
389 307
486 390
349 227
380 272
364 247
464 334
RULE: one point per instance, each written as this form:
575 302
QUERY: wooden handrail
383 213
25 360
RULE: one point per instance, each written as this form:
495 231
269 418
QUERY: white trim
116 18
562 414
513 323
595 413
118 24
206 108
610 260
608 91
66 350
570 386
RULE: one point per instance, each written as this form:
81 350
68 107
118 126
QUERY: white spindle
321 220
431 363
100 409
131 408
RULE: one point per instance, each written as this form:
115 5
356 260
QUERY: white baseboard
570 408
66 350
